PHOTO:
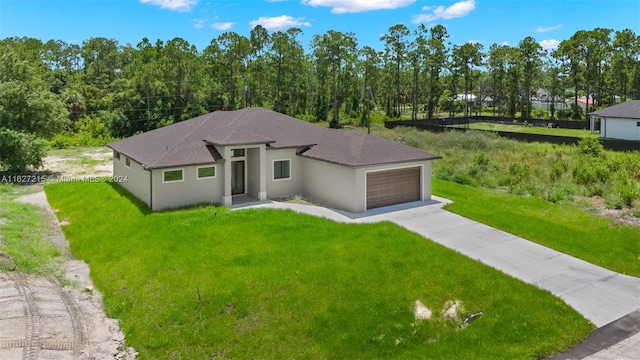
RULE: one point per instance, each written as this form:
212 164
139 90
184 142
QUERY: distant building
620 121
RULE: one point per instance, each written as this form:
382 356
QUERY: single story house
621 121
263 154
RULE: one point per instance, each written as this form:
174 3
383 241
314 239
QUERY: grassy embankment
532 130
23 231
258 283
565 228
580 175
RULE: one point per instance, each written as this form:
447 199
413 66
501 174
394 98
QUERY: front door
237 177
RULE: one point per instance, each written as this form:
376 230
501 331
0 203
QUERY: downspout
150 189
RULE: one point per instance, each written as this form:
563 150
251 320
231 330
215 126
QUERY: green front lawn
565 228
258 283
533 130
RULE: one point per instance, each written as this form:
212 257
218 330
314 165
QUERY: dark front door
237 177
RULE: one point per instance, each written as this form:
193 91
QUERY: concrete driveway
600 295
609 300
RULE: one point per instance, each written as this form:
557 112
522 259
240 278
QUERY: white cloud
173 5
199 23
549 44
476 41
222 26
459 9
505 43
355 6
541 29
279 22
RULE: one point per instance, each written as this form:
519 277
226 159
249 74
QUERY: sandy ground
42 319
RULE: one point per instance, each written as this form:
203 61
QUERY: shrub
558 168
539 113
464 179
590 146
482 160
584 173
20 150
520 171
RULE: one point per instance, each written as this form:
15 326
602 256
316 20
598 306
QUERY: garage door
393 187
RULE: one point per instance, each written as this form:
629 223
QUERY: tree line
109 90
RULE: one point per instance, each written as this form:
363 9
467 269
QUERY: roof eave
239 143
353 166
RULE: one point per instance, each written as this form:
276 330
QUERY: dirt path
40 318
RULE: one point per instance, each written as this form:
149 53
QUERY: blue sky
199 21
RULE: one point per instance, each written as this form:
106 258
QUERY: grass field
23 228
258 283
557 173
565 228
532 130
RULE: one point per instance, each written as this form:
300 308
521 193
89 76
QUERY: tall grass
23 230
266 284
557 173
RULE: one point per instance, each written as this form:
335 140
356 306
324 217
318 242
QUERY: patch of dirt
598 206
421 312
91 162
40 318
452 310
46 320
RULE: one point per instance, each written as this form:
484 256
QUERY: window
206 172
638 123
127 161
116 155
281 169
172 175
237 153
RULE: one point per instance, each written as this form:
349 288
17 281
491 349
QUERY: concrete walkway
600 295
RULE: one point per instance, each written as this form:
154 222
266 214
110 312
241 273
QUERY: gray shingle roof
189 142
629 109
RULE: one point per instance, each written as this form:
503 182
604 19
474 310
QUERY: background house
255 152
621 121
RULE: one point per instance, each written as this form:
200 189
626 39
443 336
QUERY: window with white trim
281 169
127 162
175 175
116 154
206 172
237 153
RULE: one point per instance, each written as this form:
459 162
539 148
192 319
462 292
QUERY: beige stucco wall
189 191
615 128
333 185
336 186
346 188
134 178
253 172
285 187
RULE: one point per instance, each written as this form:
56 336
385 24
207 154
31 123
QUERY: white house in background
470 98
263 154
620 121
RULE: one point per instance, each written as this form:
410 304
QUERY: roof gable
628 109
